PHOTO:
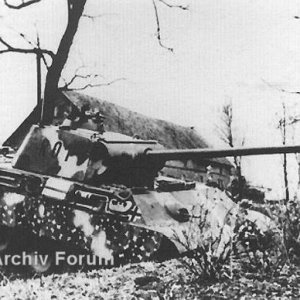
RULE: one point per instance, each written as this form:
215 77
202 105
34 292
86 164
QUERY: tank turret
88 156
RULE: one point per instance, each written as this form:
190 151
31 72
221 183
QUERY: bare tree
59 57
285 121
282 125
228 135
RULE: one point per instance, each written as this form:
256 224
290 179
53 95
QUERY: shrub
257 250
288 219
245 246
210 259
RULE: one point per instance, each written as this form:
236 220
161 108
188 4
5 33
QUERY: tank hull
116 224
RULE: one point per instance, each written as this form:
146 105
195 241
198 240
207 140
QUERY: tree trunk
51 92
286 183
240 178
285 172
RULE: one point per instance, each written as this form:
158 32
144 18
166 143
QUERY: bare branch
27 51
21 4
36 50
291 120
280 89
27 39
39 47
243 141
5 43
79 76
83 77
158 28
290 92
23 36
224 139
93 17
284 121
183 7
66 88
223 133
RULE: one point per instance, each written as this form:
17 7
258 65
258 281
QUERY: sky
224 50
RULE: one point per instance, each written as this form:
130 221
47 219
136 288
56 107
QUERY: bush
257 250
288 219
206 265
210 260
242 247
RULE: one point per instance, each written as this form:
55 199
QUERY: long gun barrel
178 154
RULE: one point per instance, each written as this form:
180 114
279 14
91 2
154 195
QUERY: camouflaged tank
99 192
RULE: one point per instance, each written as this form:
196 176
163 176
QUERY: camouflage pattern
100 192
57 187
88 156
95 219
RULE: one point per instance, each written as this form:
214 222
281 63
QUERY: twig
42 54
158 28
78 75
93 17
35 50
92 85
183 7
68 84
292 120
279 89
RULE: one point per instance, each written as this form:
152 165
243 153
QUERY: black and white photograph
149 149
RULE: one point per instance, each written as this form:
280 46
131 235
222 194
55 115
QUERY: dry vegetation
168 280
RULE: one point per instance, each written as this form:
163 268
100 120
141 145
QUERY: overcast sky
223 49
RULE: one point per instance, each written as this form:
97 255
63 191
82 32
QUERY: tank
100 192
